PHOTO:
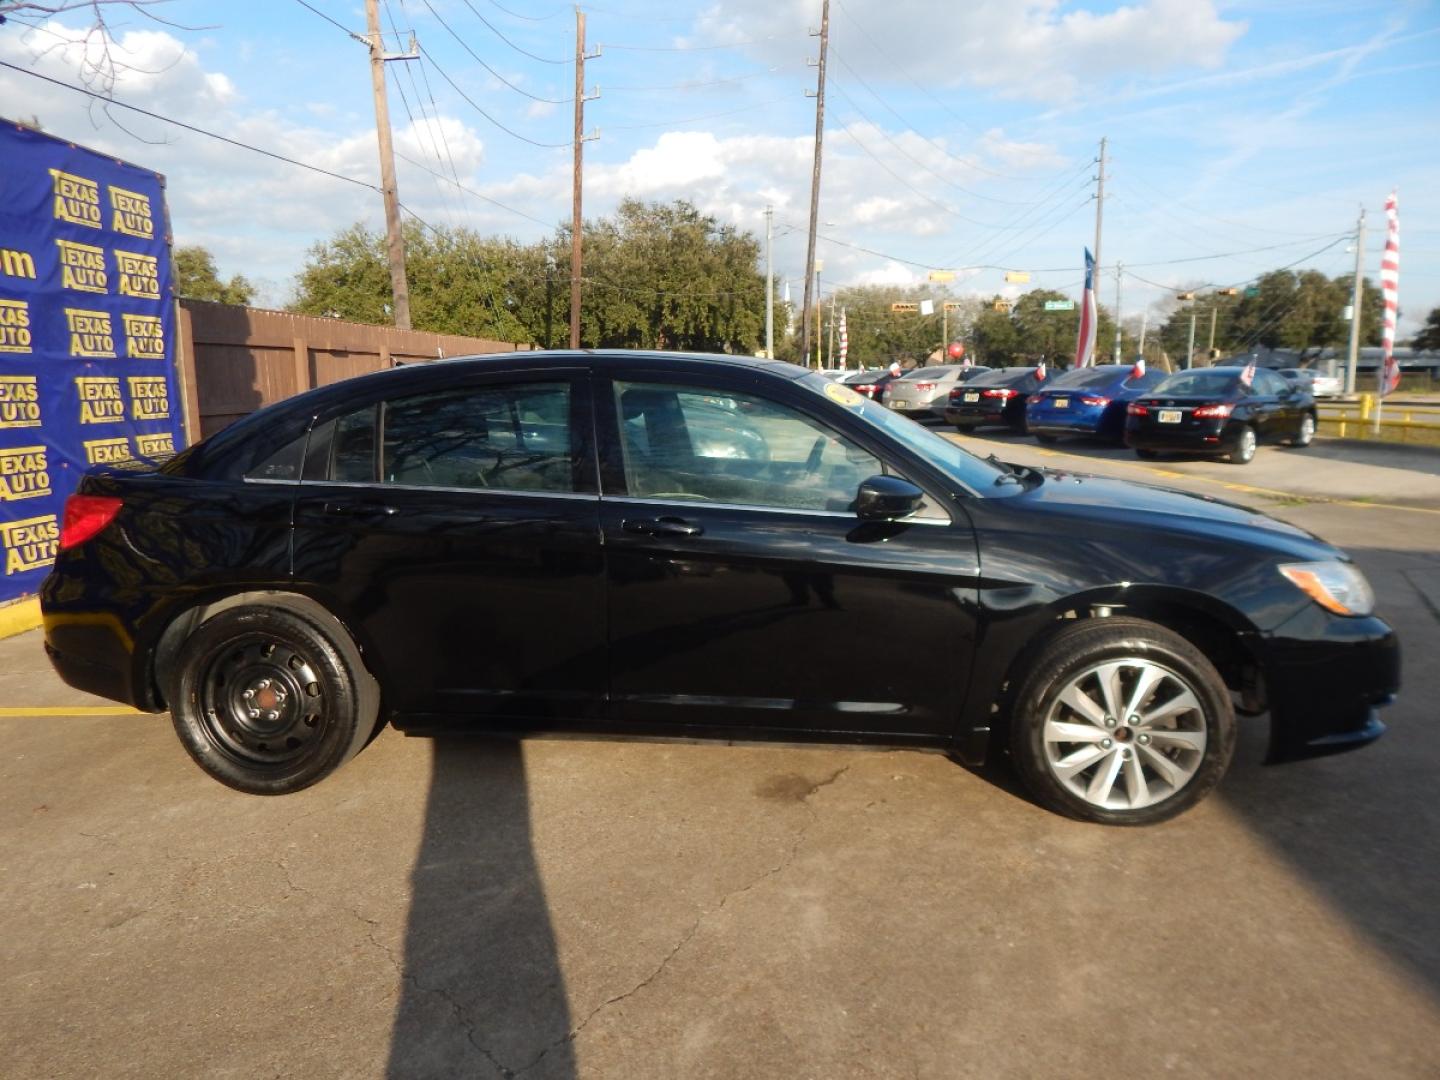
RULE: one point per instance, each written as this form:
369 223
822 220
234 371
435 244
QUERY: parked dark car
997 396
1087 401
659 545
871 384
1212 411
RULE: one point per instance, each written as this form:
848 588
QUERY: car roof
611 357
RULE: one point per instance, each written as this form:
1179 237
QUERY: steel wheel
261 701
1125 734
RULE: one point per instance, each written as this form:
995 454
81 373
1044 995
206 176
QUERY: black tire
304 716
1306 433
1147 455
1047 439
1070 657
966 429
1244 451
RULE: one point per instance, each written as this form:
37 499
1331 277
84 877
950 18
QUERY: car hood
1139 508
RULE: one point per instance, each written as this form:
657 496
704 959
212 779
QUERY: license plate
1062 403
972 397
1169 416
896 404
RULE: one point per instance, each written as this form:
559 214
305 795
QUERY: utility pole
1119 269
769 284
576 221
1099 207
394 240
818 305
811 271
830 352
1357 296
1214 314
1144 325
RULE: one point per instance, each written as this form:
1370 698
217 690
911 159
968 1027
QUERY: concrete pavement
607 909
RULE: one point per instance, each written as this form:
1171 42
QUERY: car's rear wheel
1121 721
1047 439
1244 451
1305 434
265 701
1148 455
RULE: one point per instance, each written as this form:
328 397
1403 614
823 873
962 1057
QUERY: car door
744 594
458 527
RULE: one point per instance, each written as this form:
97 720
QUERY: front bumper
1325 678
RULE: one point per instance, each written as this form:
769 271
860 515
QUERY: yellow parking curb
19 617
70 710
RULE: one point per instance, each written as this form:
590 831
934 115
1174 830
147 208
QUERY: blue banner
87 332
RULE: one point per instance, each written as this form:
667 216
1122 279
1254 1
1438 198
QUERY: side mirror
887 498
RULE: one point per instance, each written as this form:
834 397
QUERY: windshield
1211 383
1085 378
961 465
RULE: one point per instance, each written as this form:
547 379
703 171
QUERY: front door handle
360 509
663 526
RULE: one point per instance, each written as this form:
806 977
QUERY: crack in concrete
689 934
456 1008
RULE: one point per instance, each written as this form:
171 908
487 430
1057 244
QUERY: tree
1429 337
197 279
880 336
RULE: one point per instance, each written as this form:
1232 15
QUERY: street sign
941 276
952 305
901 306
1252 291
1017 277
1059 305
927 307
1001 305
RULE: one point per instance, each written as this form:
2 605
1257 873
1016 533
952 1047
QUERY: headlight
1336 586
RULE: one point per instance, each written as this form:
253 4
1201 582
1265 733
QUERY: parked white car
1318 384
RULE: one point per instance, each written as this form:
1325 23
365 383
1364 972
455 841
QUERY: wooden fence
235 360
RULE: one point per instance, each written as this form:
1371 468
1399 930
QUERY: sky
1241 137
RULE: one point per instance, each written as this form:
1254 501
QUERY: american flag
1138 371
1247 373
1085 346
1390 291
844 339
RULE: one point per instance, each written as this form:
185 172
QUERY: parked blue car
1087 401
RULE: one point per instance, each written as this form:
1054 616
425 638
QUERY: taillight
924 386
1137 410
1219 410
866 388
1096 401
1006 393
86 515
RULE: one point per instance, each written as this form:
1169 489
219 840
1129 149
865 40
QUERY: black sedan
996 396
658 545
1220 411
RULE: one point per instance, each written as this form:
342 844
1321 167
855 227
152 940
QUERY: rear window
1199 382
1085 378
1000 376
928 373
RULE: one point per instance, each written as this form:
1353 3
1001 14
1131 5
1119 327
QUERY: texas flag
1138 371
1040 372
1085 345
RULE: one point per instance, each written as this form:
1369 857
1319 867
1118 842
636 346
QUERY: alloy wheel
1125 734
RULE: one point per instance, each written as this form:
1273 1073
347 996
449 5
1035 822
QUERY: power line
476 194
475 56
531 18
429 131
690 48
689 85
332 22
471 101
523 52
693 119
189 127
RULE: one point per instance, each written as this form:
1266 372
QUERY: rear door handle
663 526
360 509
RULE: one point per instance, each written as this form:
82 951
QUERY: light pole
769 284
1190 349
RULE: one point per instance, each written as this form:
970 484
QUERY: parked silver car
1316 382
923 392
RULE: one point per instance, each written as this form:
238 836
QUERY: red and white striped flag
1089 317
1040 371
1247 373
1390 291
1138 371
844 339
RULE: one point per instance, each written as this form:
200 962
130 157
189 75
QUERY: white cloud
1020 48
892 273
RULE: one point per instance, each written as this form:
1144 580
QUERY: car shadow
482 992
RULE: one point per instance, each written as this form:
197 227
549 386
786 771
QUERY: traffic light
1227 292
1185 296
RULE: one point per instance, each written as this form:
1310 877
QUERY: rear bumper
923 409
974 414
1192 441
1326 677
1060 423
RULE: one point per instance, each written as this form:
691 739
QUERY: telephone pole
769 284
1119 269
575 192
1099 206
1357 296
395 241
819 96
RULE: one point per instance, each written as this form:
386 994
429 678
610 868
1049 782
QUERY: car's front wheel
264 700
1305 433
1244 451
1121 721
